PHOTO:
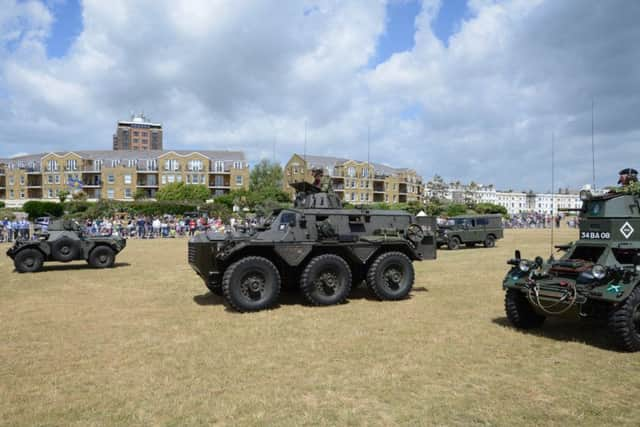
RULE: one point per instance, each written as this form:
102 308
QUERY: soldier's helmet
627 176
317 174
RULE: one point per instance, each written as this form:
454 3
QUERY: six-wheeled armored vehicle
470 230
64 241
317 246
597 276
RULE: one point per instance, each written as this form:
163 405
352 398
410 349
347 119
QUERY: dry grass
145 344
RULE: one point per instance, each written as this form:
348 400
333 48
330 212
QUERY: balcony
33 171
220 172
147 185
141 169
220 186
91 169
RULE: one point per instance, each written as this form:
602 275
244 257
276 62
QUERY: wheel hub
327 283
393 278
253 286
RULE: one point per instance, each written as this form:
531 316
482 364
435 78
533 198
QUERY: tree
140 194
79 195
265 176
179 191
62 195
490 208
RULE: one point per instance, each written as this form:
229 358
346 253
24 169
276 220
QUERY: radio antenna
304 155
553 183
593 147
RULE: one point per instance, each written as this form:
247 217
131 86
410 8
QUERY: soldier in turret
628 176
322 181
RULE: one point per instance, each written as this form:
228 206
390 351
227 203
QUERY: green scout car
470 230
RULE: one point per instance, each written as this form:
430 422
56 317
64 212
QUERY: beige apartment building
118 175
357 182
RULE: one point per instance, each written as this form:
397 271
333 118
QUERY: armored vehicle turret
64 241
316 246
597 276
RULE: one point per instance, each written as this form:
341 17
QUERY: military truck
597 276
318 247
64 241
470 230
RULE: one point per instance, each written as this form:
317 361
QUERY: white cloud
241 75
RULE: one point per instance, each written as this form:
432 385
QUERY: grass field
146 344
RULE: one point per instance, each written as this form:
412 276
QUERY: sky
471 90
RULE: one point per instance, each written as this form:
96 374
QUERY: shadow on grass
587 331
292 296
71 267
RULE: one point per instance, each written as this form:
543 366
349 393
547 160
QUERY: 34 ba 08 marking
595 235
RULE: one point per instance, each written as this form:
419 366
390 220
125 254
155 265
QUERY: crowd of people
538 220
137 227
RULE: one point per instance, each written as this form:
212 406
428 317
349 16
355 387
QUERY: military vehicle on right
598 275
470 230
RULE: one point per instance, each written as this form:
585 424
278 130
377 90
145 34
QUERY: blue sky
66 27
401 15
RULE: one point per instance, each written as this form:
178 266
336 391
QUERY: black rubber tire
520 312
489 242
624 322
453 243
65 249
326 280
383 278
28 260
245 273
102 257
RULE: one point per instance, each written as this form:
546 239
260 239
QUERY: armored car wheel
326 280
102 257
624 322
454 243
519 311
391 276
28 260
65 249
251 284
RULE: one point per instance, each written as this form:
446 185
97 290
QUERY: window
164 179
127 193
238 179
386 197
295 170
50 193
178 178
171 178
219 181
237 165
195 165
203 179
22 180
363 184
22 194
72 165
111 179
351 171
218 166
362 197
365 172
353 196
395 198
57 178
171 165
11 181
11 194
52 165
50 179
110 193
127 179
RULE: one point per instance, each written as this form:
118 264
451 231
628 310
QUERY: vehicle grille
191 255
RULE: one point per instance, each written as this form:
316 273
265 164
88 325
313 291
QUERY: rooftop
328 161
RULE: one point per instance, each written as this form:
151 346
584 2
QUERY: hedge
37 209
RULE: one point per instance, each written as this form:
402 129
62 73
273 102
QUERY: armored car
597 276
318 247
64 241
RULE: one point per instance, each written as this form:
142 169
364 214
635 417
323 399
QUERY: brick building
357 182
138 134
118 174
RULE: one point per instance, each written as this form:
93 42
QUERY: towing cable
569 298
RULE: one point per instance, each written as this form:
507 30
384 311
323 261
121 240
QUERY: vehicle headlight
524 266
599 271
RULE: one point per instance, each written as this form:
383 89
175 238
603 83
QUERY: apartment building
118 174
138 134
355 181
514 201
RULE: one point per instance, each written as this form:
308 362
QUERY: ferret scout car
598 275
317 246
64 241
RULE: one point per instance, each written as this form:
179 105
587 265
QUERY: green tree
63 196
455 209
140 194
179 191
265 176
490 208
